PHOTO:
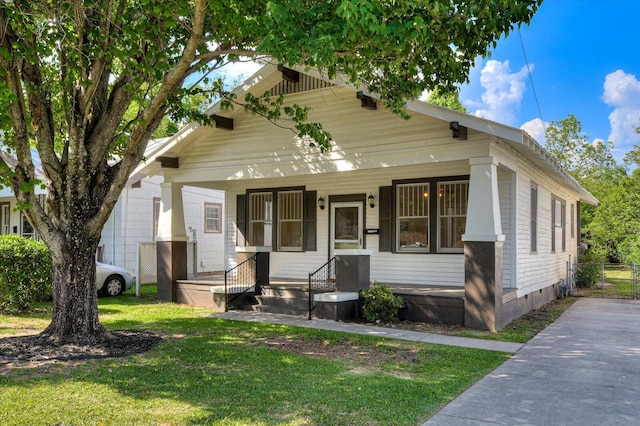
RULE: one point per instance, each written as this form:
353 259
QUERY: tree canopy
88 83
448 99
610 228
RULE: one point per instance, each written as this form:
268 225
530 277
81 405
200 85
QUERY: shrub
380 305
588 273
26 273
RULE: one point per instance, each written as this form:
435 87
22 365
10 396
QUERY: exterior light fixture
371 200
321 203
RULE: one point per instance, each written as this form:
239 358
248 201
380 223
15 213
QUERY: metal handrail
240 279
322 280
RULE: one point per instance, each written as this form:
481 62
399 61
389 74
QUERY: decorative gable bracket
288 74
222 122
458 131
168 162
366 102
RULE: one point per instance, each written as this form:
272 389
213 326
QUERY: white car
112 280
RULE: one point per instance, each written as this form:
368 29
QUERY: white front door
346 225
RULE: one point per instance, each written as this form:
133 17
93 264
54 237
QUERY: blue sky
584 57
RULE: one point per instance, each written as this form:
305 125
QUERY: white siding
131 222
543 268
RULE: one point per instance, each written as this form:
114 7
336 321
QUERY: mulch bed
112 344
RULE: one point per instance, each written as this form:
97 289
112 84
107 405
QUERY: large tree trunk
75 305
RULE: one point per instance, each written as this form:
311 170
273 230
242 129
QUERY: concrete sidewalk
584 369
390 333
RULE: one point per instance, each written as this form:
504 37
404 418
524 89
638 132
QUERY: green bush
26 273
589 271
380 305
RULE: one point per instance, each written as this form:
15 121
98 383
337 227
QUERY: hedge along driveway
213 371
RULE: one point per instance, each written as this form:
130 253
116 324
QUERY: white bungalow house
134 220
444 201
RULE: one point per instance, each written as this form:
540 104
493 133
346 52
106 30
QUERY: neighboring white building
443 199
134 220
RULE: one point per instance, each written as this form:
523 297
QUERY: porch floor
406 289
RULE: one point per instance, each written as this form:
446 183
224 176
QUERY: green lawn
617 280
217 372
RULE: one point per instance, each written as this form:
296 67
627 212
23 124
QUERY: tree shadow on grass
221 375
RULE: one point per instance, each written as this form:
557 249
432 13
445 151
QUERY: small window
413 217
290 220
534 217
212 218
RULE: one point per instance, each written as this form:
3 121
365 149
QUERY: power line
533 87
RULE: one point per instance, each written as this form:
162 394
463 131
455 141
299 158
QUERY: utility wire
533 87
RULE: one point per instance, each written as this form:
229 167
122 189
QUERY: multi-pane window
431 215
261 218
290 220
533 210
212 217
452 217
5 219
413 217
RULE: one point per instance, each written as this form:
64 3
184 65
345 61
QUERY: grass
617 280
520 330
217 372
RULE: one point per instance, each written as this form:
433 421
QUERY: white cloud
622 92
236 72
503 92
536 129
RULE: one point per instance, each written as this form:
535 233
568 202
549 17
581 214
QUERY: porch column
483 247
171 242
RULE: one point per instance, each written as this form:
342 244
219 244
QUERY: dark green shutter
310 220
385 219
241 220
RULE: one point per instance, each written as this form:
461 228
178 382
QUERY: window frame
280 220
216 207
275 216
399 218
434 212
441 249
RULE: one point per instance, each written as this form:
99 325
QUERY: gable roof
268 78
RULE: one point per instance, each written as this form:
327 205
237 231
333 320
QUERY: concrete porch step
285 291
280 309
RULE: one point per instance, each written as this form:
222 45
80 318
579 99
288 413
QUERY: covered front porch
316 297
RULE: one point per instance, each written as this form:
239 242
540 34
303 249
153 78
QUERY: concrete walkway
584 369
390 333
